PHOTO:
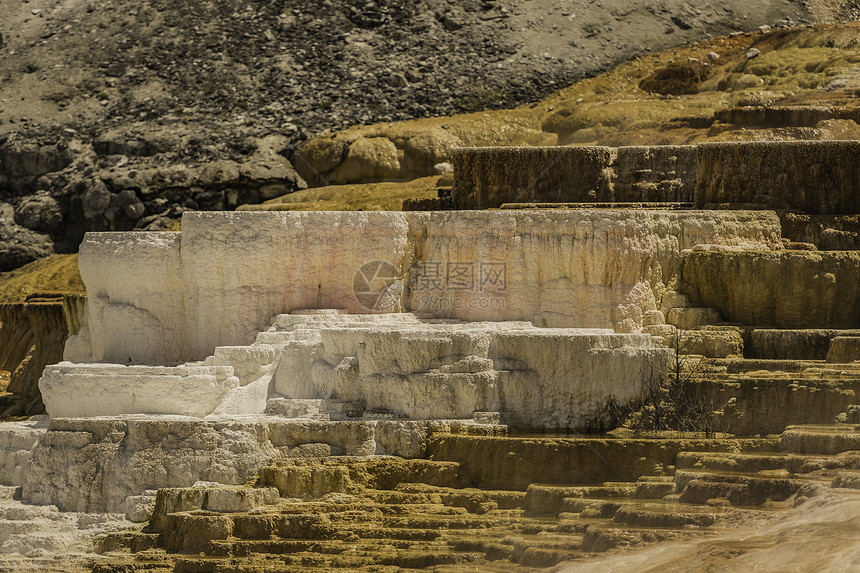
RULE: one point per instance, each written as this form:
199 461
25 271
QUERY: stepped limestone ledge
74 390
791 289
402 364
107 464
537 379
165 298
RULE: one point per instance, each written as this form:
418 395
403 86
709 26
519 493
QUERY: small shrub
671 401
676 79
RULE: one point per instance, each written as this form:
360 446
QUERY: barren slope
331 64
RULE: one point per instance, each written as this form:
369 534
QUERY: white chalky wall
170 297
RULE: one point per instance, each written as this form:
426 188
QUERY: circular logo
376 286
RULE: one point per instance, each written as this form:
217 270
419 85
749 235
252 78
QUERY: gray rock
273 190
398 81
19 245
753 53
124 209
681 22
443 168
115 70
30 159
39 212
130 204
450 23
95 199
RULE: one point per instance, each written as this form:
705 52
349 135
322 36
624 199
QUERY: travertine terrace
421 346
270 389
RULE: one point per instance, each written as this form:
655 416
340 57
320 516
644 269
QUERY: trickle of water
822 535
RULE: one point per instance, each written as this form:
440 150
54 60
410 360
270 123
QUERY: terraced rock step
619 205
803 344
364 514
829 440
549 499
752 463
806 392
849 479
740 489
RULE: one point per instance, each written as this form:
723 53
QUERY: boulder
318 157
125 208
19 245
30 159
423 151
368 159
39 212
96 197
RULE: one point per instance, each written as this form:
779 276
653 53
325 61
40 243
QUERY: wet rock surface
423 514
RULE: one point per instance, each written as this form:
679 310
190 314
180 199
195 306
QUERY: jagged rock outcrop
124 181
23 160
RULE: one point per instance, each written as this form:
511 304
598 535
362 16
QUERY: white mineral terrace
256 336
173 297
399 363
534 315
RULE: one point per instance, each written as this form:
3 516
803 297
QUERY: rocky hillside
800 83
120 115
292 64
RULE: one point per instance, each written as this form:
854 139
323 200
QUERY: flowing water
820 536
